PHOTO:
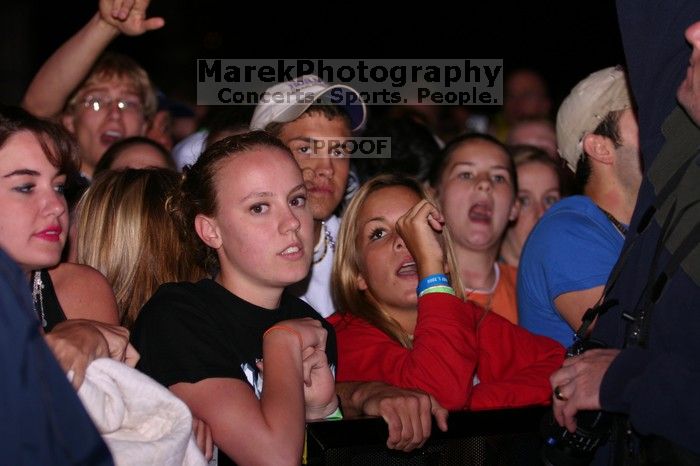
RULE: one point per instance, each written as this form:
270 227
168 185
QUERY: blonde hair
346 263
117 66
125 232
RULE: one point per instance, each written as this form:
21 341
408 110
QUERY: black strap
646 219
628 446
604 304
619 226
666 228
639 334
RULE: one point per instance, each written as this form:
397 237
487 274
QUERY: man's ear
208 231
599 148
68 122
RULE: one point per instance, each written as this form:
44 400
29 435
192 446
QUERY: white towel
140 420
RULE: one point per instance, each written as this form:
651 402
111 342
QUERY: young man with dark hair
568 256
311 114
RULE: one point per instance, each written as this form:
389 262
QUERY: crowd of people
251 282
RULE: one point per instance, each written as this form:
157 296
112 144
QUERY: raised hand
129 16
420 229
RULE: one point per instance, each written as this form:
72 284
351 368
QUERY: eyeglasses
102 102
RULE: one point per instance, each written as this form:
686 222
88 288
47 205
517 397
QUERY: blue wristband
437 279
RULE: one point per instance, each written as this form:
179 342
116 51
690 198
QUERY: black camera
562 447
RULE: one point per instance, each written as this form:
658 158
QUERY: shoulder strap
648 215
639 333
604 304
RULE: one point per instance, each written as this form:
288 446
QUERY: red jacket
453 341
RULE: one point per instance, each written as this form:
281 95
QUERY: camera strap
639 331
632 450
604 303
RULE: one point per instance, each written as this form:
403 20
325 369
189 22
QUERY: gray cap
586 106
286 101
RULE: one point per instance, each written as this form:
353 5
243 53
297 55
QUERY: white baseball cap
287 101
586 106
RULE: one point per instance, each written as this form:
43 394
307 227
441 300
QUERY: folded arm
441 362
514 366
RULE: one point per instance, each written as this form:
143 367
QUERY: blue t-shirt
573 247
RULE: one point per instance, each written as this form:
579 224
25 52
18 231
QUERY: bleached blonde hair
347 262
125 232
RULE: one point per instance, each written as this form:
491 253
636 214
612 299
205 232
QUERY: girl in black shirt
244 202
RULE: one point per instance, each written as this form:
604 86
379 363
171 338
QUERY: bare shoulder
84 293
67 274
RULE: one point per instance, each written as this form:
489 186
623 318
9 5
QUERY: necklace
497 277
328 240
38 297
616 223
472 294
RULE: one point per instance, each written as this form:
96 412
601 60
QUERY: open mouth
291 250
481 213
109 137
407 269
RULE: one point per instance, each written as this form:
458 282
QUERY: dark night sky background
564 40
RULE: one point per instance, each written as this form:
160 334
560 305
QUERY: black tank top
46 304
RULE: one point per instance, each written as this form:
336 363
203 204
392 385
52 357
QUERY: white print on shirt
255 377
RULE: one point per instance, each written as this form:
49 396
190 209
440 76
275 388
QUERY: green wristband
438 289
336 415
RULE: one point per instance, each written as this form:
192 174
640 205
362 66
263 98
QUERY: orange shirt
502 298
